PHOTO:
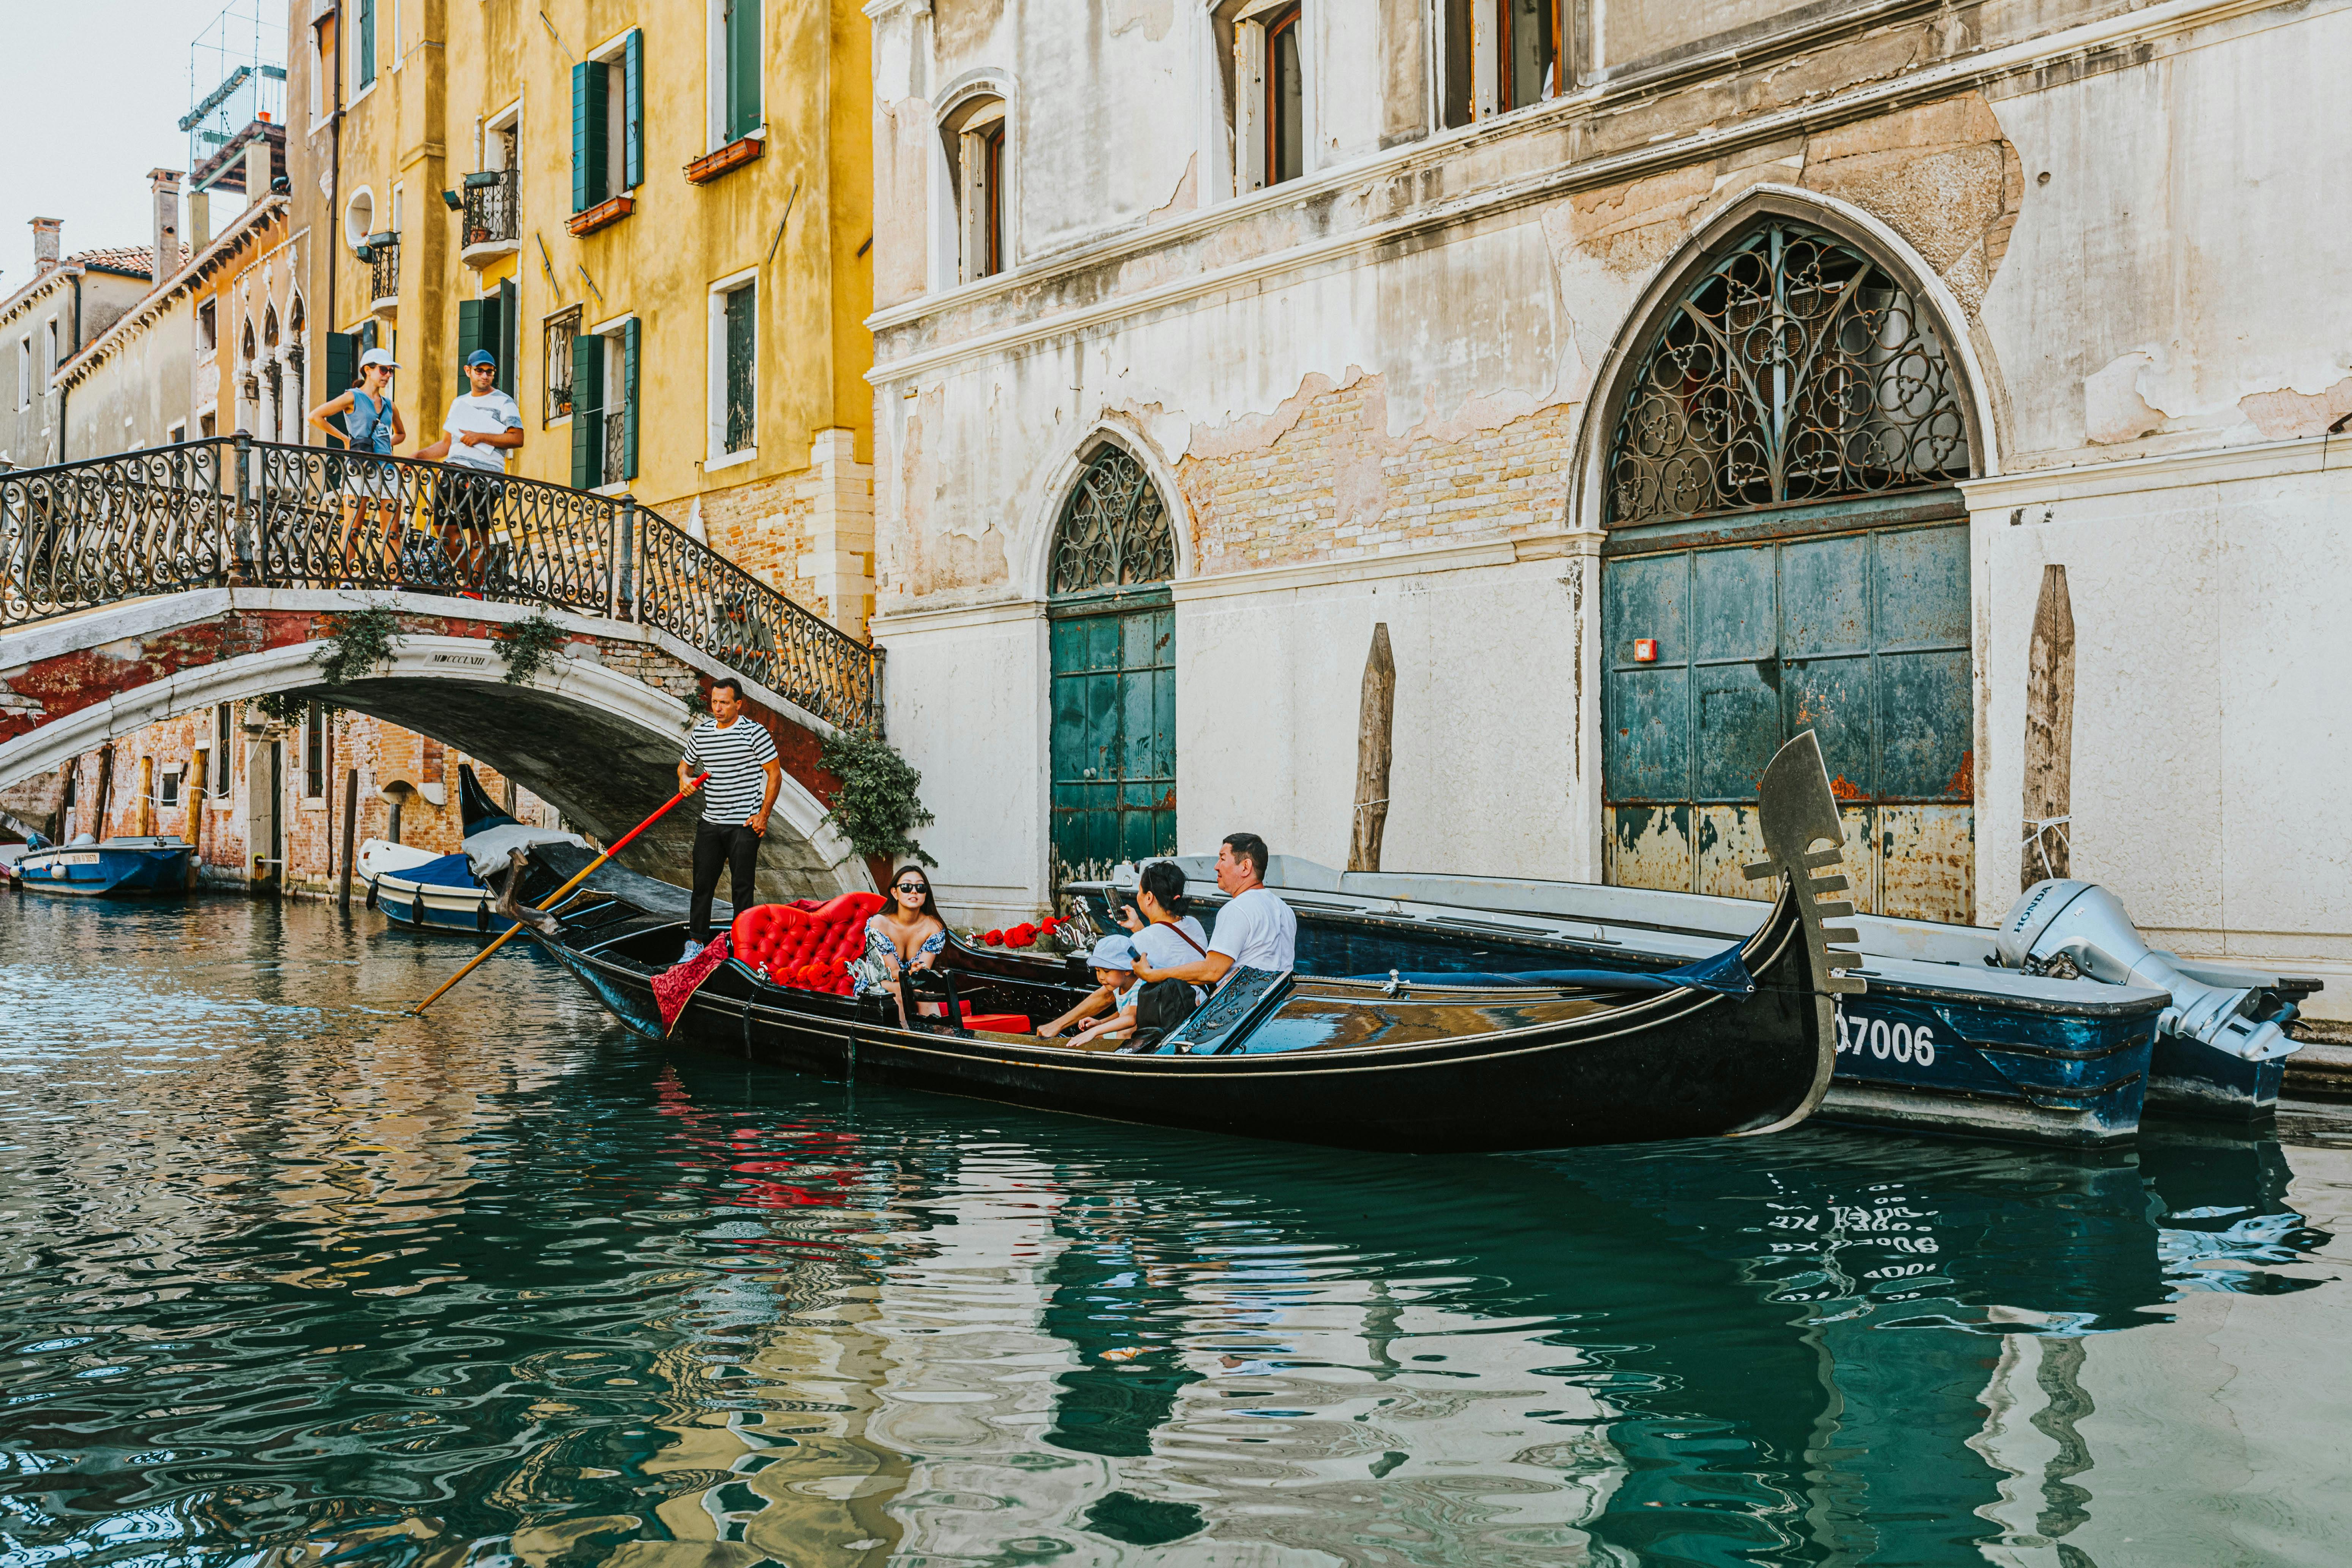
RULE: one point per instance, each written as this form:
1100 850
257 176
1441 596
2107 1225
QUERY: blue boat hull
104 871
427 906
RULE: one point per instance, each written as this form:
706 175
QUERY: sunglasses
910 888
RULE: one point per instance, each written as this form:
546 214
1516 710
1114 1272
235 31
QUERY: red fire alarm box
1645 650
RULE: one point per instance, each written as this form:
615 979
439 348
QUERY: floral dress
881 952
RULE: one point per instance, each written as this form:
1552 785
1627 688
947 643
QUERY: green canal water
287 1278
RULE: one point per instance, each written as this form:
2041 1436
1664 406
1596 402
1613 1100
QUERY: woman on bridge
364 419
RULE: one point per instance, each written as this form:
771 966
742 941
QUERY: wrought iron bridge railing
235 511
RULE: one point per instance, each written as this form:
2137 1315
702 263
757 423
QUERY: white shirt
1166 950
1258 930
491 414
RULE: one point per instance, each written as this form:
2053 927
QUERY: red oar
558 896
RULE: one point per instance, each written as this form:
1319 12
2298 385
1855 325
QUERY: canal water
287 1278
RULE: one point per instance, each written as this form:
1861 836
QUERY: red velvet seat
804 948
996 1022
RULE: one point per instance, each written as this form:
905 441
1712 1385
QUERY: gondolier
746 774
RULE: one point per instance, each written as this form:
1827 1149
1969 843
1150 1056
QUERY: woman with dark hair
906 934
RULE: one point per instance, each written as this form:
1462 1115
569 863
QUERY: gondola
1741 1042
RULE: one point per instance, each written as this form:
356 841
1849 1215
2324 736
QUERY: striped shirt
737 759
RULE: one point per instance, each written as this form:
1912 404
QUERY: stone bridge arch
596 732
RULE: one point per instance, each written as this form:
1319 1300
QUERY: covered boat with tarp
418 889
1740 1041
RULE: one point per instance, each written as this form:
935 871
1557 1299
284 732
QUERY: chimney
200 219
45 243
166 184
257 169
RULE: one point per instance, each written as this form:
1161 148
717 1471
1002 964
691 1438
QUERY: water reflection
285 1275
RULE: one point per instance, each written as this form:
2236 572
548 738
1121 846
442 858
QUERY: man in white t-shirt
1255 931
484 424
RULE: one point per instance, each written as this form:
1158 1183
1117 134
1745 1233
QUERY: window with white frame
1495 56
602 368
734 368
25 374
1269 92
974 134
362 47
733 88
607 122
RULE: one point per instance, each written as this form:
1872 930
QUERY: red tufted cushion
805 945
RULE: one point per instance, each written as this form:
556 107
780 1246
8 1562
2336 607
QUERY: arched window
974 133
1113 745
1794 368
270 326
246 342
294 315
1787 551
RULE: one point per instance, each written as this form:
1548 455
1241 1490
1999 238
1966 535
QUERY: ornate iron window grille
560 330
1114 532
1794 368
616 454
383 270
742 379
492 205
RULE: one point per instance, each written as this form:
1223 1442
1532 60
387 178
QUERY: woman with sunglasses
906 934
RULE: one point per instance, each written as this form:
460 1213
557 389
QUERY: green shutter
629 400
587 413
632 111
366 40
474 323
508 347
742 68
342 368
590 109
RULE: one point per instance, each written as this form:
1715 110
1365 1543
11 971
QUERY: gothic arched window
1794 368
1114 532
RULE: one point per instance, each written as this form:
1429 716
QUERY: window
294 316
605 404
363 40
167 784
1527 36
25 374
205 425
314 752
555 358
1269 94
55 356
1497 56
208 323
322 56
1286 99
222 715
607 122
974 136
734 383
734 76
489 323
178 434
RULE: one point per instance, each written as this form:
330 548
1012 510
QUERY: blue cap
481 356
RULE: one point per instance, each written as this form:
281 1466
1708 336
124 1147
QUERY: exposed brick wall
1330 483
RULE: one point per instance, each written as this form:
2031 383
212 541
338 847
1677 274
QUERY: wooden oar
558 896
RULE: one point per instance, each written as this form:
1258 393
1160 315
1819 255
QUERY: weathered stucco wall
1367 397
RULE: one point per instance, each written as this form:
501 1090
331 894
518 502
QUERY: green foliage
527 646
876 807
357 644
283 709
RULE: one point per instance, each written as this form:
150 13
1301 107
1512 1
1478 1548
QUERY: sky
95 89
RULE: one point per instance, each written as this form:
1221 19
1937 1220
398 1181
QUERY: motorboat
118 868
424 891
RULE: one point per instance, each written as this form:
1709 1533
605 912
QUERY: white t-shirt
490 414
1166 950
1258 930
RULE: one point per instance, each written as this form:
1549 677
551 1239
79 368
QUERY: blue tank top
369 422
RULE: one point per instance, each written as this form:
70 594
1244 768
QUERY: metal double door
1715 654
1113 746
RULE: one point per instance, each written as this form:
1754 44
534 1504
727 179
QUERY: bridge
146 584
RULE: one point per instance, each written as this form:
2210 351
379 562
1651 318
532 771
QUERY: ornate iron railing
492 205
226 510
383 270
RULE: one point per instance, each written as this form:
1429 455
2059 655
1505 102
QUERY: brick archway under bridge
596 732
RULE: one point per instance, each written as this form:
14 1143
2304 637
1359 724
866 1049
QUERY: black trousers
735 850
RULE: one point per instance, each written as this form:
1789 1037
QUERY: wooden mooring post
350 833
1375 729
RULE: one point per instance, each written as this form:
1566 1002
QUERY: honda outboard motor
2085 924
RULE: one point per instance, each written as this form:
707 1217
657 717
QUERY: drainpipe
334 228
62 390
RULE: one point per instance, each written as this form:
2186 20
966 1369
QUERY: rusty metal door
1716 653
1113 748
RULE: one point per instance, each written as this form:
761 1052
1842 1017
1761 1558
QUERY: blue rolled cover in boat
449 871
1721 972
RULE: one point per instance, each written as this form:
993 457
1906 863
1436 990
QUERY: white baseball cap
378 356
1112 952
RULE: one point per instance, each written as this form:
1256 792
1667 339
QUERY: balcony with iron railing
381 254
616 455
234 512
493 208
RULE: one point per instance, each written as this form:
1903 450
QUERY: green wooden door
1114 734
1857 632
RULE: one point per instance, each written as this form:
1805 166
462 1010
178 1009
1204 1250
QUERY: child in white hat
1116 989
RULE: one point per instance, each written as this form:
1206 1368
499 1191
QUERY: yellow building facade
656 213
